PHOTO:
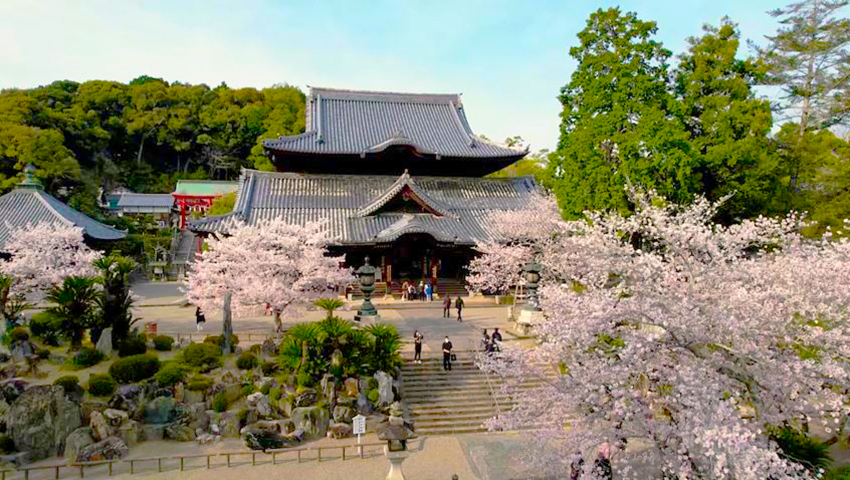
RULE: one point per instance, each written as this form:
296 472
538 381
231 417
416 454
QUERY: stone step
460 411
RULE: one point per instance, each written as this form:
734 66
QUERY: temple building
398 177
29 204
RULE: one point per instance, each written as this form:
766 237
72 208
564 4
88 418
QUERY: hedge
134 368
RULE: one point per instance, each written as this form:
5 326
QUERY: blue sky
508 59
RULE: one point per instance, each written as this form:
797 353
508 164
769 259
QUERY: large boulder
160 410
265 435
194 396
154 431
131 399
109 449
261 403
76 441
328 385
343 414
104 343
351 387
131 433
115 418
232 392
179 392
230 421
40 420
364 407
385 388
229 378
198 417
306 398
181 433
313 420
99 426
341 430
12 388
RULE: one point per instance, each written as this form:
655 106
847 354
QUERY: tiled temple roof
352 205
28 203
347 122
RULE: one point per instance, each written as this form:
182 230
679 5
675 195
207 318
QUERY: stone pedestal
526 321
395 459
367 318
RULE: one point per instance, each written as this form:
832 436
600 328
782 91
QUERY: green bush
219 340
840 473
266 388
7 445
85 358
134 344
798 447
274 394
256 349
247 361
372 384
101 385
374 395
199 384
170 375
163 343
268 369
134 368
248 389
46 327
19 334
43 353
219 402
69 382
303 379
204 356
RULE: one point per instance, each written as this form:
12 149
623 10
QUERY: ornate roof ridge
405 180
252 172
383 96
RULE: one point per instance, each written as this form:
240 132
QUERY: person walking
486 345
447 306
496 340
429 292
404 294
447 355
199 319
421 291
417 346
459 307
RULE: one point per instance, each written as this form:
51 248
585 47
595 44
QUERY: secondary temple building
398 177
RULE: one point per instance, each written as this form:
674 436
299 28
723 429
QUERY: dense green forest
93 136
632 113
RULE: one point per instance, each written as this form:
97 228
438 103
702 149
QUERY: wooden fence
182 462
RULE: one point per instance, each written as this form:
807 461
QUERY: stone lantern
396 449
531 313
366 277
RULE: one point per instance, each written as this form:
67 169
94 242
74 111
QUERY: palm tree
329 305
75 306
387 346
115 301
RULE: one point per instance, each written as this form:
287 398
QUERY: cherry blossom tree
274 263
43 256
686 340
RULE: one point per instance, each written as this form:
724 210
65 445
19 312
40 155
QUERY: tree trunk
227 346
278 326
141 149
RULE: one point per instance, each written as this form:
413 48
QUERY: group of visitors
491 344
423 292
447 307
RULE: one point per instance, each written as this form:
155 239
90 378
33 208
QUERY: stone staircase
453 402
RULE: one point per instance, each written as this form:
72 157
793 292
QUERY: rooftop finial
29 178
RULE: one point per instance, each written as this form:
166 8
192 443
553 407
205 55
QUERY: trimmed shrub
256 349
134 344
19 334
85 358
199 384
69 382
219 339
372 383
204 356
219 403
7 445
248 389
247 361
163 343
134 368
268 369
101 385
170 375
374 395
46 327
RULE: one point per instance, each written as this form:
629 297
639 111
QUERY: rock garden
91 402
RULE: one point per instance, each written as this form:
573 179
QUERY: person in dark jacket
417 346
486 343
447 306
447 354
459 307
200 319
496 341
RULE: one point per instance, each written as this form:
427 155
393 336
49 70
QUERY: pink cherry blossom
685 337
275 263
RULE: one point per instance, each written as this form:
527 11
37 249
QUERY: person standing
496 340
459 307
417 346
447 354
429 292
411 292
486 345
421 290
602 464
199 318
404 294
447 306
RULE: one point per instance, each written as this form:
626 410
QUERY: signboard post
359 427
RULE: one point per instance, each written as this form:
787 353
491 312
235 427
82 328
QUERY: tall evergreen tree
617 121
728 125
809 58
